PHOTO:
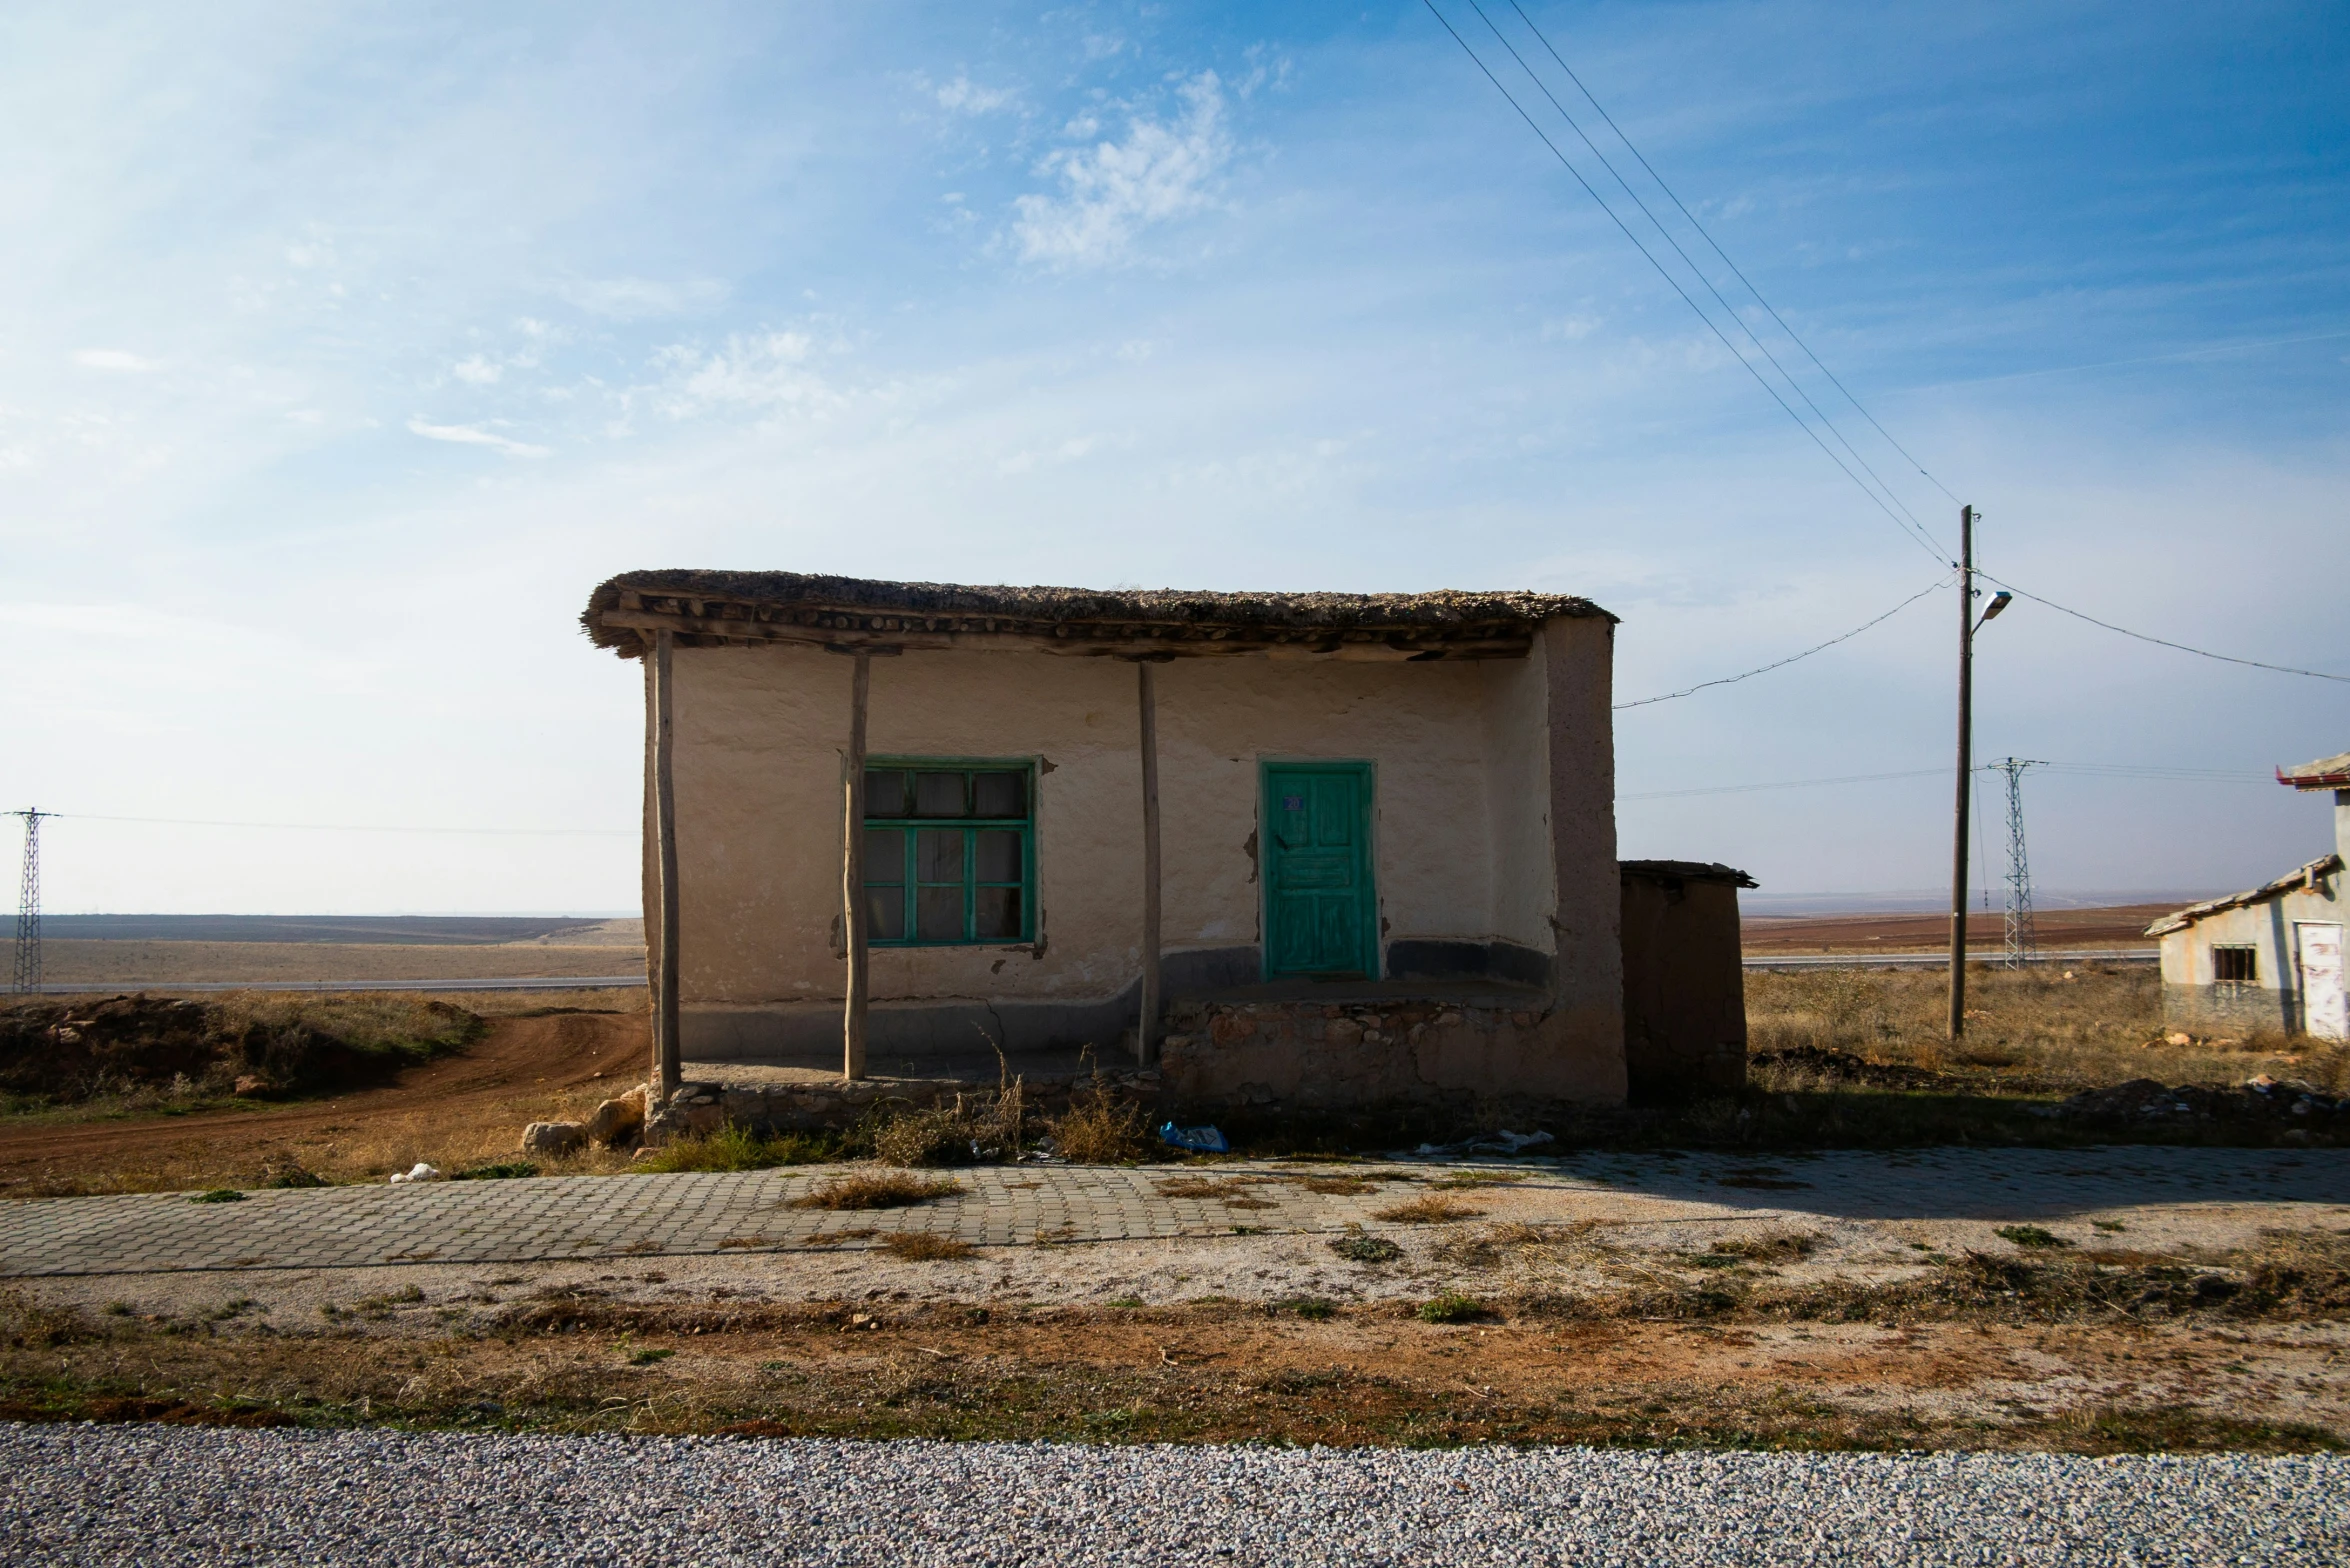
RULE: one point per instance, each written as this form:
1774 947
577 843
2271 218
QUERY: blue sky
344 348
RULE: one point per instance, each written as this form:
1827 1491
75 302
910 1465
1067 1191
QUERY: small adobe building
2269 958
1309 849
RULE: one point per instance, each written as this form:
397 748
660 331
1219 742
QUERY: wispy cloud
474 435
113 359
1111 191
964 96
758 371
637 299
475 370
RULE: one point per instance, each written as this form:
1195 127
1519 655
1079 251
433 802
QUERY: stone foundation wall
1354 1056
2231 1005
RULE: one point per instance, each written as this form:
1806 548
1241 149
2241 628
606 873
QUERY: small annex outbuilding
2269 958
1309 849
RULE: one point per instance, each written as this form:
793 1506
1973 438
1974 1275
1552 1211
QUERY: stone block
553 1138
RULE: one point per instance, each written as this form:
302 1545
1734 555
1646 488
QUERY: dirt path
549 1062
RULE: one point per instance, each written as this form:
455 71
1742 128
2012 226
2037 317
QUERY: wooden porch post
852 888
666 1054
1146 1035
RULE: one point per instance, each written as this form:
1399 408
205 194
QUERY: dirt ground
721 1345
2120 925
458 1109
160 965
1502 1325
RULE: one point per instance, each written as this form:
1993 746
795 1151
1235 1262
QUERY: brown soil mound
515 1059
67 1051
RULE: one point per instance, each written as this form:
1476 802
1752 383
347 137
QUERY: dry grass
918 1247
733 1148
1429 1209
1338 1186
1232 1192
2029 1031
1098 1128
874 1190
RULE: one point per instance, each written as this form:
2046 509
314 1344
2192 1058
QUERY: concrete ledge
1304 1056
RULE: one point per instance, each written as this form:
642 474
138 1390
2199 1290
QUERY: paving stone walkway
583 1217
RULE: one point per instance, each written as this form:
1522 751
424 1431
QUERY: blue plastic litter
1199 1140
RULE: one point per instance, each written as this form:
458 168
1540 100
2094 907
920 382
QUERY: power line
1923 542
1699 272
1747 789
2164 642
1728 680
2105 770
350 827
1725 255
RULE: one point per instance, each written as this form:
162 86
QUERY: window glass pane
885 914
938 795
885 855
938 854
997 913
885 792
938 914
999 856
999 794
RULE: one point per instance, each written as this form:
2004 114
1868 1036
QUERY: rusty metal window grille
950 852
2235 965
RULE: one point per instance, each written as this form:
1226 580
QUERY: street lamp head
1999 602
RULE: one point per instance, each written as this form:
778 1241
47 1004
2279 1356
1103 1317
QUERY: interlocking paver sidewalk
580 1217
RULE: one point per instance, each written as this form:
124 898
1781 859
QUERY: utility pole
28 905
2021 941
1966 747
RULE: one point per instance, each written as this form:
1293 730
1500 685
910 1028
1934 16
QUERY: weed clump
1453 1307
1428 1209
737 1148
874 1190
1098 1128
2031 1237
1358 1248
1312 1308
218 1195
504 1170
286 1173
921 1247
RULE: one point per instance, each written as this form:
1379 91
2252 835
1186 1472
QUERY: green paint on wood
950 851
1321 911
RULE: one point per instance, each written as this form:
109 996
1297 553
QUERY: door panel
1321 909
2324 1013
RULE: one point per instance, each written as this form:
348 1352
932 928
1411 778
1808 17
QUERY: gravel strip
150 1495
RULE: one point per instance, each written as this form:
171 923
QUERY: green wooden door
1321 913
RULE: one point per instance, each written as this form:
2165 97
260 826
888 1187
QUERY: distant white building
2269 958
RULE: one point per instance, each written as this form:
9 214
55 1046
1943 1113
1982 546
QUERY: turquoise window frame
907 880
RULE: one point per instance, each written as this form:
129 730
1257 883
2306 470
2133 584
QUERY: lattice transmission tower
28 904
2022 943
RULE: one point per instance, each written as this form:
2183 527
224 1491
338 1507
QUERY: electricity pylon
28 905
2022 944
